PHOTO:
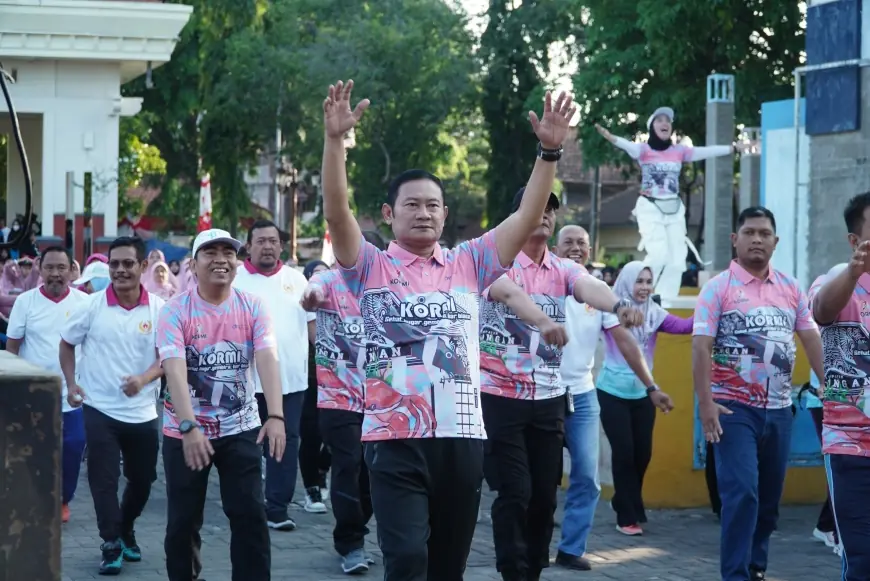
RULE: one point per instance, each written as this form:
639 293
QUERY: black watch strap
186 426
551 155
652 388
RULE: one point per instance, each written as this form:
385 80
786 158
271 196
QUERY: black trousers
523 459
349 490
826 522
425 494
237 459
108 441
628 424
314 460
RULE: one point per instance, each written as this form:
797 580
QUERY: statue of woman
659 211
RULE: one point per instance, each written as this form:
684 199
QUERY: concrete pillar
30 494
719 174
750 169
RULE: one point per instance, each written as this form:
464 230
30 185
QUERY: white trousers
663 236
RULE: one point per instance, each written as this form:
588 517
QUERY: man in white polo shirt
280 288
117 382
584 326
34 332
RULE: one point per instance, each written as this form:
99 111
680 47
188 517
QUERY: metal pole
70 234
595 215
294 187
797 170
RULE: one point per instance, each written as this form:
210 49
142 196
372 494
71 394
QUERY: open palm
552 127
338 117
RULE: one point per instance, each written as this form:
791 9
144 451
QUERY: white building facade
69 59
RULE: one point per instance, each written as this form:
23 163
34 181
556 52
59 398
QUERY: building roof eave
132 33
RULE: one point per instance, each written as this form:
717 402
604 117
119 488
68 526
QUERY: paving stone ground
680 545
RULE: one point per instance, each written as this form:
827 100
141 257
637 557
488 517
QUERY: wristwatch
620 304
549 154
186 426
652 388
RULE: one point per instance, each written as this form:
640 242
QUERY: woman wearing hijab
627 413
659 211
97 257
159 280
314 458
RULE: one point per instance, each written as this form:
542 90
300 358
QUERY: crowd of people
413 374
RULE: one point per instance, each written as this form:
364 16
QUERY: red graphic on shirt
400 416
334 394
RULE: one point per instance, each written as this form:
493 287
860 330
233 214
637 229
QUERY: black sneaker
314 501
573 562
281 523
130 548
112 559
756 575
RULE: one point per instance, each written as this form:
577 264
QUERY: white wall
78 102
779 188
32 135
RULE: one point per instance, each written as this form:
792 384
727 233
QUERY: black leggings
314 457
628 424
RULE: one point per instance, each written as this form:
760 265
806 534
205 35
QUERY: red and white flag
204 222
327 255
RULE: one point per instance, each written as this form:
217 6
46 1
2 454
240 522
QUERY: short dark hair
132 241
756 212
257 225
58 249
411 175
854 212
375 239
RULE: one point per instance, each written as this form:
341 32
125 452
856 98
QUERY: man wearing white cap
34 333
117 382
209 338
660 213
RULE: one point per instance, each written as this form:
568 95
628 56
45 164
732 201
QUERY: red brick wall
97 225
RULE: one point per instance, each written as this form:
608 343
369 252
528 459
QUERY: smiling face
662 127
215 265
125 270
573 244
418 215
643 286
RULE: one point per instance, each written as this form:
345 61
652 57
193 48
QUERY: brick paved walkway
679 546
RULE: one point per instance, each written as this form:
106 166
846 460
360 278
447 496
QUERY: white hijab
653 314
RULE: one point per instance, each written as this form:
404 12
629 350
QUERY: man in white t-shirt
584 325
117 381
280 288
34 332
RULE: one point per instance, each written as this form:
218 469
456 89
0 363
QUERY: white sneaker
827 538
314 501
838 550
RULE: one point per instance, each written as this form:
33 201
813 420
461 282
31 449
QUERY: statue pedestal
30 496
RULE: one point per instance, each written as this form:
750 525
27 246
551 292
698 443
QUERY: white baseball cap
94 270
213 236
666 111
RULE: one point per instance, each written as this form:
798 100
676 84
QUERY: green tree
139 165
515 56
640 54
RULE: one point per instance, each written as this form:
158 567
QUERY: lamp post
294 208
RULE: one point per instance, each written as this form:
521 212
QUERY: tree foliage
642 54
515 57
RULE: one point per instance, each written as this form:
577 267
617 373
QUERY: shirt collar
745 276
51 298
112 298
249 266
525 262
408 258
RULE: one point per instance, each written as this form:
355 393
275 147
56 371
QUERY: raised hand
552 128
860 261
312 299
338 117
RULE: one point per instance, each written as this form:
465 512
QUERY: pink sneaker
630 530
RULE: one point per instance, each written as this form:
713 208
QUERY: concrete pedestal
30 492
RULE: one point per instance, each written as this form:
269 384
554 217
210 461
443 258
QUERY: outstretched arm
338 119
629 147
507 292
551 130
706 152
